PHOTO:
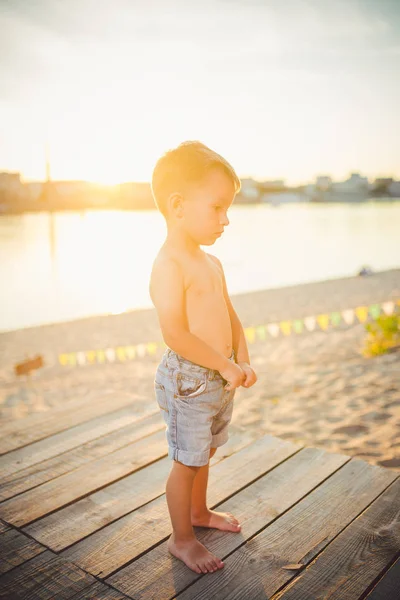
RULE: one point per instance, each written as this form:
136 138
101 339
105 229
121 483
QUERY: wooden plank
356 557
70 487
4 527
99 591
45 577
39 426
39 473
115 545
388 586
257 570
16 548
16 426
158 575
59 443
76 521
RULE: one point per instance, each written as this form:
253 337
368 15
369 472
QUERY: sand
314 388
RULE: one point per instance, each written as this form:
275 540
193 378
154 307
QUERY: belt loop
166 356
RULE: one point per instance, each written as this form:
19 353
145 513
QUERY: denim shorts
195 406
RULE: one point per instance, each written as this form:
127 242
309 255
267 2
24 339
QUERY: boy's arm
238 337
168 296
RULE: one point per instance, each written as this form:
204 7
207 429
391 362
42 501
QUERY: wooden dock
84 515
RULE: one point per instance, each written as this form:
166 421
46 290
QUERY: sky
283 90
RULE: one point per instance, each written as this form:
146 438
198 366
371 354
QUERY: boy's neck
179 241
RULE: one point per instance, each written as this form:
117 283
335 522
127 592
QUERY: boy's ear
175 204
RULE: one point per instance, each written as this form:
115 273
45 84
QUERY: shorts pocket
190 387
161 396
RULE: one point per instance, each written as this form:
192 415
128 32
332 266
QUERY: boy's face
205 206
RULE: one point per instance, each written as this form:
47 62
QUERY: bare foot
194 555
220 520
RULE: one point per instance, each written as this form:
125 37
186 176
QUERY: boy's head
193 187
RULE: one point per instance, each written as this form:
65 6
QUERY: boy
207 356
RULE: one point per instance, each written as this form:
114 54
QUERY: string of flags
323 322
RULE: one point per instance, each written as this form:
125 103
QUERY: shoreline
334 198
253 308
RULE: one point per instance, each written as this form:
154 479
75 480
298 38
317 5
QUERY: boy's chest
202 278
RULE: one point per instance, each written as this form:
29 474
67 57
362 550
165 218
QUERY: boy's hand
234 375
250 376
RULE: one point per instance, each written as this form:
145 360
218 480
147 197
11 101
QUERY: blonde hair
186 164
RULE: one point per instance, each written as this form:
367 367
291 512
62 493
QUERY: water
67 265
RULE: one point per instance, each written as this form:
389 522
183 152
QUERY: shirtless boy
206 357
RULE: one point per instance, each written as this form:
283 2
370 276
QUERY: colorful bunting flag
253 333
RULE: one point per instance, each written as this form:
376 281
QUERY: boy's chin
208 241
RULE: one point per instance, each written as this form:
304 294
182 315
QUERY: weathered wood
115 545
70 487
388 586
16 548
19 481
74 437
314 523
44 577
4 527
356 557
100 591
158 575
39 426
78 520
256 569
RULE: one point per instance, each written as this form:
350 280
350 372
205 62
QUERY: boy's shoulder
214 259
167 256
164 255
167 262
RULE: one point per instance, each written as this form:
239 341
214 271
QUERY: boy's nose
224 220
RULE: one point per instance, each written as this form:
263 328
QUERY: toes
203 568
233 519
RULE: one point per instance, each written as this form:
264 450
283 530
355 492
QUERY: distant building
274 184
11 186
355 183
70 187
353 189
276 192
323 182
250 191
385 187
34 189
394 189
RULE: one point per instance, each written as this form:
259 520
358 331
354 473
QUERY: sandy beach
314 388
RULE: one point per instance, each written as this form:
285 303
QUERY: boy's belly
209 319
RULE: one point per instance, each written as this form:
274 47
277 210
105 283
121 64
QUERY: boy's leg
203 516
199 490
179 493
183 543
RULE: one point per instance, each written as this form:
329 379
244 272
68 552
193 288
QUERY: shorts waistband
170 356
